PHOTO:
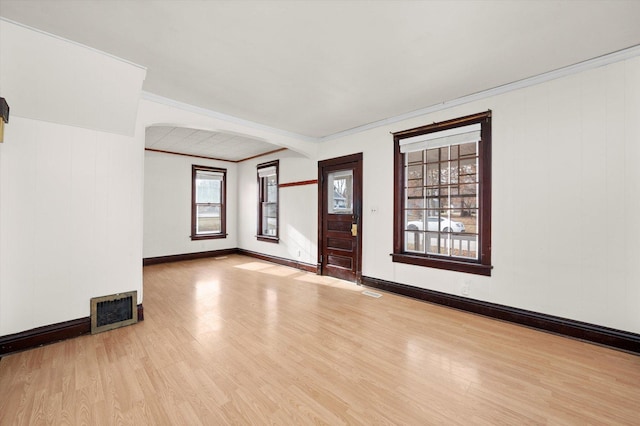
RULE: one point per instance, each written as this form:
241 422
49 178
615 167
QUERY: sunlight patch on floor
254 266
286 271
204 287
281 271
328 281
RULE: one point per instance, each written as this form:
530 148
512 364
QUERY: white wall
565 202
167 205
298 217
566 198
47 78
70 187
168 187
70 221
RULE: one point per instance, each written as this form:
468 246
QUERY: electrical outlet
465 289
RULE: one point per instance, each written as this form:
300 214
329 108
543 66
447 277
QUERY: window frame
480 266
223 203
261 198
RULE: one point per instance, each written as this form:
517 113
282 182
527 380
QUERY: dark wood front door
340 217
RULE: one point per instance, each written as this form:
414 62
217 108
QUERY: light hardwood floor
239 341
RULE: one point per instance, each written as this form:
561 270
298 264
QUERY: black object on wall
4 110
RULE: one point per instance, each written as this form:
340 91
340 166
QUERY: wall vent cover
113 311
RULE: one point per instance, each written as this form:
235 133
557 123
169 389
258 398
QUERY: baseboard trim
49 334
592 333
225 252
280 260
187 256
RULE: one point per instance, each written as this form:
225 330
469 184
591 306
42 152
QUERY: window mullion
425 203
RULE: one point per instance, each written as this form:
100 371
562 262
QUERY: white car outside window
446 225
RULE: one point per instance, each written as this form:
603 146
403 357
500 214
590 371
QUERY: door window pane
340 192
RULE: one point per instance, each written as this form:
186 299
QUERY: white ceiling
205 143
317 68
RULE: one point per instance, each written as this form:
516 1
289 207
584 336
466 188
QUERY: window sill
207 237
268 239
440 263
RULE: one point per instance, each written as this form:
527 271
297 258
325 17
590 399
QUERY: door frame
357 208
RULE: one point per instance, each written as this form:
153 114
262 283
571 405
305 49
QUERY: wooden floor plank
240 341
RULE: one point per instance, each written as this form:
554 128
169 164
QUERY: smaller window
208 202
268 201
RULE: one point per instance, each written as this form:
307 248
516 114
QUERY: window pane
414 192
444 173
465 246
340 192
433 202
444 203
436 243
208 190
468 150
468 189
208 219
469 217
433 156
433 220
269 218
414 241
414 157
414 174
468 170
272 189
415 203
414 220
433 174
413 183
444 153
456 205
452 170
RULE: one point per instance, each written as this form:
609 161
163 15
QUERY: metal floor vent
371 294
114 311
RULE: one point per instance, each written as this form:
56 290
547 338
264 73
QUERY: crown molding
75 43
590 64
